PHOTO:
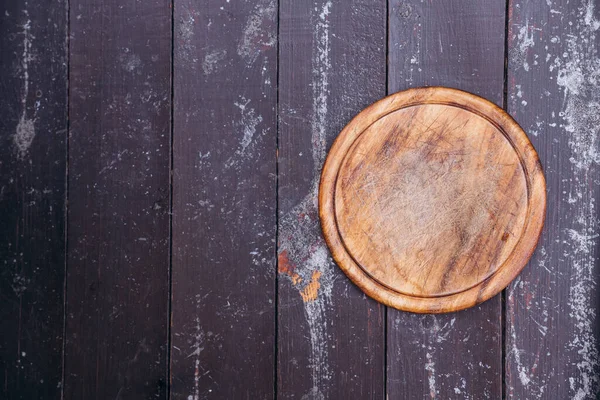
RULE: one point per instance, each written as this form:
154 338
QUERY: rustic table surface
159 167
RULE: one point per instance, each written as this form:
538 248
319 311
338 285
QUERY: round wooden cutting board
432 200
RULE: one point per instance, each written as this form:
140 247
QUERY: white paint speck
129 61
321 67
259 32
197 346
574 67
25 130
519 53
514 352
212 59
577 75
24 135
187 27
247 124
300 236
589 18
430 368
249 121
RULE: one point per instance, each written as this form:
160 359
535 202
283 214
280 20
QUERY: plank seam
276 281
170 269
66 202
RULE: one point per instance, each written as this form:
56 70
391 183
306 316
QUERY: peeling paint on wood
332 60
212 60
226 84
33 122
224 200
258 34
25 132
551 310
299 233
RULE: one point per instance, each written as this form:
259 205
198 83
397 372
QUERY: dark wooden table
158 179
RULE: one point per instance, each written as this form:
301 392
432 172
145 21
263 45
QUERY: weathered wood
331 337
457 44
552 328
432 200
332 64
118 212
33 121
224 200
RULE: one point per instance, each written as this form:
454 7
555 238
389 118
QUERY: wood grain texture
224 200
457 44
552 327
432 200
332 341
332 64
33 122
118 214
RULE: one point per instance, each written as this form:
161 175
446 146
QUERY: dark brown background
159 165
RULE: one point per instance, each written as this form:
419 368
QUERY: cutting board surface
432 200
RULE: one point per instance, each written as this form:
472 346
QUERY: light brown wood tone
432 200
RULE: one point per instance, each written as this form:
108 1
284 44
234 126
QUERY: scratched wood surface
202 210
552 329
117 291
33 123
459 354
331 65
224 200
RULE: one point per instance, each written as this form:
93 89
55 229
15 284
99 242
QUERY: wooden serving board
432 200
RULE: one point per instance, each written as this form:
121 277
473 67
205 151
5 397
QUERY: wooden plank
33 122
553 331
118 214
457 44
332 64
224 199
